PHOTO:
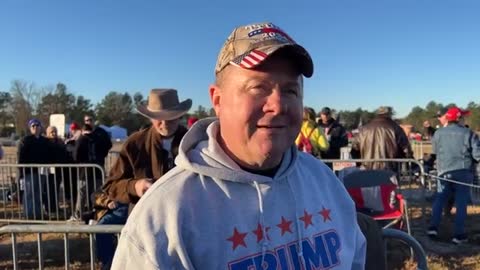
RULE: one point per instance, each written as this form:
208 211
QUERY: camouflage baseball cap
249 45
384 110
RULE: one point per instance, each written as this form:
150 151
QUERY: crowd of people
246 189
89 144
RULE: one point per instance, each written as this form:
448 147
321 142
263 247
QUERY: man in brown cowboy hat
145 156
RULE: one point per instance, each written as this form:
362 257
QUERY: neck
267 163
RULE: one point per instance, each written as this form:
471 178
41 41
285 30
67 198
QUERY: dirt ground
442 254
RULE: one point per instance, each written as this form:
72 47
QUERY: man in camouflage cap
242 196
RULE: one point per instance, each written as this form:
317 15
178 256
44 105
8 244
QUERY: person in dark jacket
103 141
33 149
382 138
145 156
85 152
58 155
336 134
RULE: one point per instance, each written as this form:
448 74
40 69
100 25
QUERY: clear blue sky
366 53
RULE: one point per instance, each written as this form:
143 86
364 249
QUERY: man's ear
215 98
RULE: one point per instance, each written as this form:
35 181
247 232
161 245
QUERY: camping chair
373 192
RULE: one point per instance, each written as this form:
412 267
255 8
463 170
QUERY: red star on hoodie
237 239
307 219
259 232
325 214
285 226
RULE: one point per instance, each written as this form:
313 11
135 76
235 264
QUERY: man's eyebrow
292 84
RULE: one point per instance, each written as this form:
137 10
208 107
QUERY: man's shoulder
25 139
139 134
99 129
169 188
316 173
454 128
307 162
136 138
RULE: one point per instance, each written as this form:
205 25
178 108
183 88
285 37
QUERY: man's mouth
271 126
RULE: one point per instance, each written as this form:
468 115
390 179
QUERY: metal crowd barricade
474 186
9 158
91 230
409 170
421 148
66 229
110 161
39 193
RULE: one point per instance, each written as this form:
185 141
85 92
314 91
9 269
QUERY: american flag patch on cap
249 59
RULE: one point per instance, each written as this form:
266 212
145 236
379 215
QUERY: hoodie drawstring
297 223
262 221
265 242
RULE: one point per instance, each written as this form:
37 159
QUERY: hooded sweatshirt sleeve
131 255
155 237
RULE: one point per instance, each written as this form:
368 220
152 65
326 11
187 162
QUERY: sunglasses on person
35 125
88 120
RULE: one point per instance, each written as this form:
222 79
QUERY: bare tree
25 99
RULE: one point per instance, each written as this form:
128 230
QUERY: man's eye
291 91
259 89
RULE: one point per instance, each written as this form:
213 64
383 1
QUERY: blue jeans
461 193
32 196
106 241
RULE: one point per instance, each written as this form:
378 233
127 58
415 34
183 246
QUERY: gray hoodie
208 213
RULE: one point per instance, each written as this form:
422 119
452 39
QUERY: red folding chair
374 193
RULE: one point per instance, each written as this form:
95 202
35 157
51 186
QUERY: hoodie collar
200 152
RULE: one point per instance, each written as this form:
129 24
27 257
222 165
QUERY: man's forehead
290 80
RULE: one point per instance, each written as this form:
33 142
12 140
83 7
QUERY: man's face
325 117
443 120
88 120
52 133
166 128
35 129
260 111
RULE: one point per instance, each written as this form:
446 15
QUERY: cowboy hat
163 104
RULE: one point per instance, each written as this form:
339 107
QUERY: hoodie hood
201 153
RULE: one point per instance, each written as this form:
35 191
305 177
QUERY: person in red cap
456 148
75 132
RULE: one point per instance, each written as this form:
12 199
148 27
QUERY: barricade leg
81 199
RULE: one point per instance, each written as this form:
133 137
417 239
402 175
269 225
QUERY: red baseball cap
74 126
454 113
191 121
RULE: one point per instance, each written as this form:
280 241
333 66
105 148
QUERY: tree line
26 100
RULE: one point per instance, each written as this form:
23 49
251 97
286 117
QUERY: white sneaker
73 219
432 233
459 240
92 222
